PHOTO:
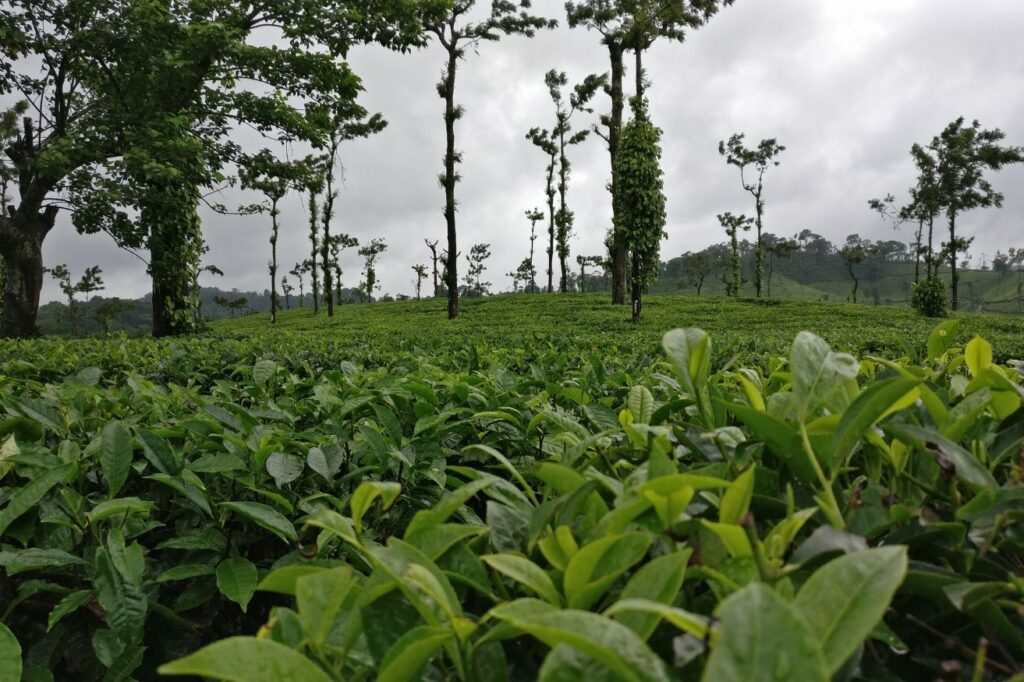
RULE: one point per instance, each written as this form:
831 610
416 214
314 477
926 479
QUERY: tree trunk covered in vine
175 246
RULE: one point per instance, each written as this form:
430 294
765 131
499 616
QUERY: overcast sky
846 85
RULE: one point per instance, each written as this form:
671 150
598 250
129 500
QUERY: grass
749 325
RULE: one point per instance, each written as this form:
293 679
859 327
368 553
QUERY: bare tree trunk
636 289
551 227
273 262
618 245
450 115
954 282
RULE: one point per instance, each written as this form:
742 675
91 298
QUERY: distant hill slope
743 326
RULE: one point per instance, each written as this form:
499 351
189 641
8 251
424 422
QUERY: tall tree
583 262
778 248
478 255
141 99
421 274
370 252
696 268
432 245
853 253
348 121
963 154
544 140
562 137
759 159
456 34
315 182
640 199
265 173
732 225
287 289
89 283
632 25
298 272
534 215
336 244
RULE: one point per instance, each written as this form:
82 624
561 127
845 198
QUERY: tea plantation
539 489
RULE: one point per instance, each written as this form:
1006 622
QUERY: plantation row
555 510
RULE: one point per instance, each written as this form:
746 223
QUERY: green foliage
929 297
640 199
494 504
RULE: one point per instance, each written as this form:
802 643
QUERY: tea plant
534 510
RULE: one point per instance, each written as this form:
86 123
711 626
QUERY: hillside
745 325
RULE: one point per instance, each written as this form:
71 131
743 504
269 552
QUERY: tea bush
323 506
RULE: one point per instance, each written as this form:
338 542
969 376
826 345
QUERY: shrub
929 297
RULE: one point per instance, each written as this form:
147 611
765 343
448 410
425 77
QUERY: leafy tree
632 25
732 225
109 310
544 140
583 262
853 253
696 267
641 202
349 121
534 215
478 255
298 272
274 178
963 153
456 34
759 159
287 289
886 209
232 305
89 283
432 245
560 138
337 243
778 248
370 252
421 274
315 182
139 104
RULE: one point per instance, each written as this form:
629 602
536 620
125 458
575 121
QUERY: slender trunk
618 242
700 284
551 226
737 276
563 213
450 115
314 232
639 74
759 251
636 288
273 262
849 266
917 251
954 282
930 265
21 250
329 198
